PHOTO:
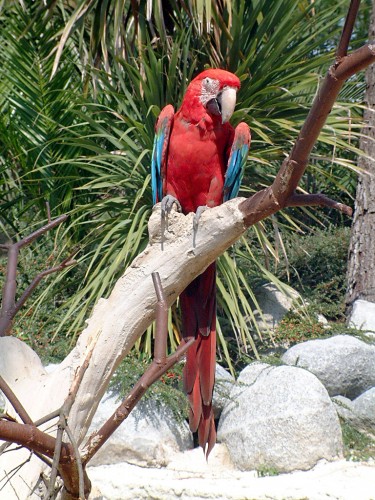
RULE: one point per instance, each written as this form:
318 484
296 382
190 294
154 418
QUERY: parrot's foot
167 203
197 216
166 207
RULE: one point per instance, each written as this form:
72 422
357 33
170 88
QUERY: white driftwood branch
114 326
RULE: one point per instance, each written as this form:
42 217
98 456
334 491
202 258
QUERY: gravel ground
189 477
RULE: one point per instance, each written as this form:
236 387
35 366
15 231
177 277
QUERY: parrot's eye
209 89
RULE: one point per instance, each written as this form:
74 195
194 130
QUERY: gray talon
166 206
167 203
197 216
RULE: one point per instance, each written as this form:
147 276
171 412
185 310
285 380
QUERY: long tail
198 305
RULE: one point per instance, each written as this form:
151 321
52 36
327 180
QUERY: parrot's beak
227 102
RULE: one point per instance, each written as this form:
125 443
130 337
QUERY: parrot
197 163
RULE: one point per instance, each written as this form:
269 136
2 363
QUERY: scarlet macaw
198 159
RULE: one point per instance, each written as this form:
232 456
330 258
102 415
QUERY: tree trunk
361 266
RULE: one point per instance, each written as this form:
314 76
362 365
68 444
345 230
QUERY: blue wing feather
159 152
237 160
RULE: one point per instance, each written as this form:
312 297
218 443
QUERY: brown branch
342 48
35 282
15 402
33 439
9 306
160 365
74 470
282 191
319 199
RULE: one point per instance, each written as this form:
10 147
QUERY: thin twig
35 282
15 402
55 461
9 307
63 414
351 16
319 199
77 456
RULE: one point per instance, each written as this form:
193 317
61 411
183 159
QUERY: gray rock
364 408
344 408
362 316
280 418
344 364
150 436
273 305
223 386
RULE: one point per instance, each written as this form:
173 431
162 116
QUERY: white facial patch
210 89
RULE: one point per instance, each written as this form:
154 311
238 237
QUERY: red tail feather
198 304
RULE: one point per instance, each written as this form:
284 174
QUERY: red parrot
197 162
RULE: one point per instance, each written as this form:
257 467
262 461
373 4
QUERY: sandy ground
189 477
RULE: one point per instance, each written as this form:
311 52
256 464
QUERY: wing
159 154
236 162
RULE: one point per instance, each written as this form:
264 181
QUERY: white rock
364 408
345 365
338 480
280 418
362 316
151 435
273 305
223 385
344 408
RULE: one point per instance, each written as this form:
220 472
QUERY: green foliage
82 138
267 470
168 390
358 445
316 266
294 329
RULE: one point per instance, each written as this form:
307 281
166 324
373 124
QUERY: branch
304 200
118 321
348 29
15 402
9 306
160 365
280 194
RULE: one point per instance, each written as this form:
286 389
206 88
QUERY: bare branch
319 199
9 306
80 471
15 402
351 16
47 227
272 199
32 438
35 282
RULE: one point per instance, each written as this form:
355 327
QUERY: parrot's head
214 92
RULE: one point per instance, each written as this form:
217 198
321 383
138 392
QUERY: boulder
279 418
344 364
223 385
273 305
362 315
150 436
345 409
364 408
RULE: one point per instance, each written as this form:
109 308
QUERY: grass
358 445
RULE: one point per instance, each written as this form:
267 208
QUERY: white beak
228 102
